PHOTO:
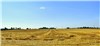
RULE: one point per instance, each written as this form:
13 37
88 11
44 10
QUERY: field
51 37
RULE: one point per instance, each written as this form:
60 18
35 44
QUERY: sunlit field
51 37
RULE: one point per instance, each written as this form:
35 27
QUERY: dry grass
51 37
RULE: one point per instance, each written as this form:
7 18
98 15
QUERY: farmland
51 37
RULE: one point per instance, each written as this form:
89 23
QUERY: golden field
51 37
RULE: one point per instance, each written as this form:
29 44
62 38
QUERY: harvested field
51 37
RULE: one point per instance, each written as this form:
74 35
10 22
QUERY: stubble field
51 37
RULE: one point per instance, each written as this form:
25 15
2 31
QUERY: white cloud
43 8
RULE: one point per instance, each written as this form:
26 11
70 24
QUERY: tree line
12 28
88 28
15 28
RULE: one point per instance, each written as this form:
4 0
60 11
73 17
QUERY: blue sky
50 0
50 14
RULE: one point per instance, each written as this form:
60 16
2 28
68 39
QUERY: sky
58 14
50 0
0 14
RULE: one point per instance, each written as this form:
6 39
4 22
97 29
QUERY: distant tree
68 27
97 27
5 28
12 28
27 28
43 28
19 28
88 27
52 28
